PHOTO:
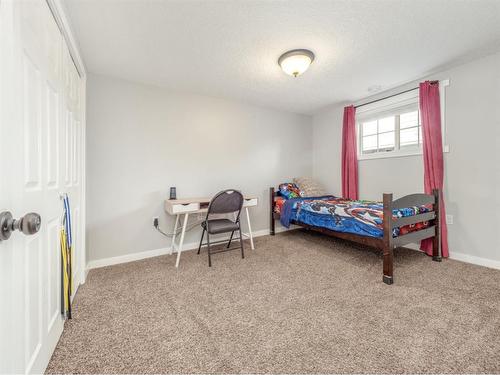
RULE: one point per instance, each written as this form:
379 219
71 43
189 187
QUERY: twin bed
382 225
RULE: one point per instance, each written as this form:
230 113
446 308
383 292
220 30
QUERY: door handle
28 224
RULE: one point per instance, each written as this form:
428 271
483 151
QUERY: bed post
436 240
271 209
388 249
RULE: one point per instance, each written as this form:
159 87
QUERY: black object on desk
173 193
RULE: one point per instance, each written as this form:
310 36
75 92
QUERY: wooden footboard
431 231
274 216
387 243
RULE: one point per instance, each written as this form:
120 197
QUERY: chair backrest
226 202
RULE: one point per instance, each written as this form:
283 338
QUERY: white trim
442 104
391 154
83 191
127 258
398 154
58 10
98 263
466 258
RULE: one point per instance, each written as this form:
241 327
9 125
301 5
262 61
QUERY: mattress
348 216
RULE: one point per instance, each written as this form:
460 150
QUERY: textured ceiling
230 48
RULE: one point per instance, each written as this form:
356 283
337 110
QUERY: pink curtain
349 155
433 155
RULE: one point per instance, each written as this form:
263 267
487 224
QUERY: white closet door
42 145
9 356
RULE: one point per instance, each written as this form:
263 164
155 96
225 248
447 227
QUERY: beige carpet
299 303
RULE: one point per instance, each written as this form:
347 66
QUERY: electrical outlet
156 220
449 219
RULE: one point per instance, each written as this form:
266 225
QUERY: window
396 132
392 127
410 129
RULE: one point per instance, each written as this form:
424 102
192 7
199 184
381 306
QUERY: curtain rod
399 93
386 97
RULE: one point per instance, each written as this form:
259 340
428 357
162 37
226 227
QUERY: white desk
189 206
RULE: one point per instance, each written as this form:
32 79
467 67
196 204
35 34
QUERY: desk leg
181 242
249 228
175 231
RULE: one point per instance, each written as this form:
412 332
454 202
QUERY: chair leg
208 247
201 241
241 244
230 239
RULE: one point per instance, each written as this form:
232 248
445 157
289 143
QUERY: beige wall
141 140
472 176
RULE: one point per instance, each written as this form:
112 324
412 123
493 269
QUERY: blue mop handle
67 211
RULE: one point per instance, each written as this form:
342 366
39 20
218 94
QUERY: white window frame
411 149
392 106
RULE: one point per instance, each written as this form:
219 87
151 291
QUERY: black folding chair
225 202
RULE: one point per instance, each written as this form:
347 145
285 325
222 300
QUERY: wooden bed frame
387 243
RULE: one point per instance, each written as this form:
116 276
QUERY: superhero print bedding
342 215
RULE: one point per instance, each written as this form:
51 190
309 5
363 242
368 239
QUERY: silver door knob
28 224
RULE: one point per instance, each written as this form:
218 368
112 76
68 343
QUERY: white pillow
309 187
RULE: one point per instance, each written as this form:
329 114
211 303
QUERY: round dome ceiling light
296 62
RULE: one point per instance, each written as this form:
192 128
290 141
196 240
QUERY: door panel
32 107
33 298
68 147
74 160
53 274
76 241
39 151
52 126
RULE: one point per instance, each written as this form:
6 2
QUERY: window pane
408 136
408 119
386 140
370 128
370 143
386 124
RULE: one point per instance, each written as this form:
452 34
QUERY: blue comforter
342 215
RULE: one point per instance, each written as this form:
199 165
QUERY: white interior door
41 149
7 269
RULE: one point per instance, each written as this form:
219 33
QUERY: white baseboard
475 260
127 258
466 258
264 232
157 252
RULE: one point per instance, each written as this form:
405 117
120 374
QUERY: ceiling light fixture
296 62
